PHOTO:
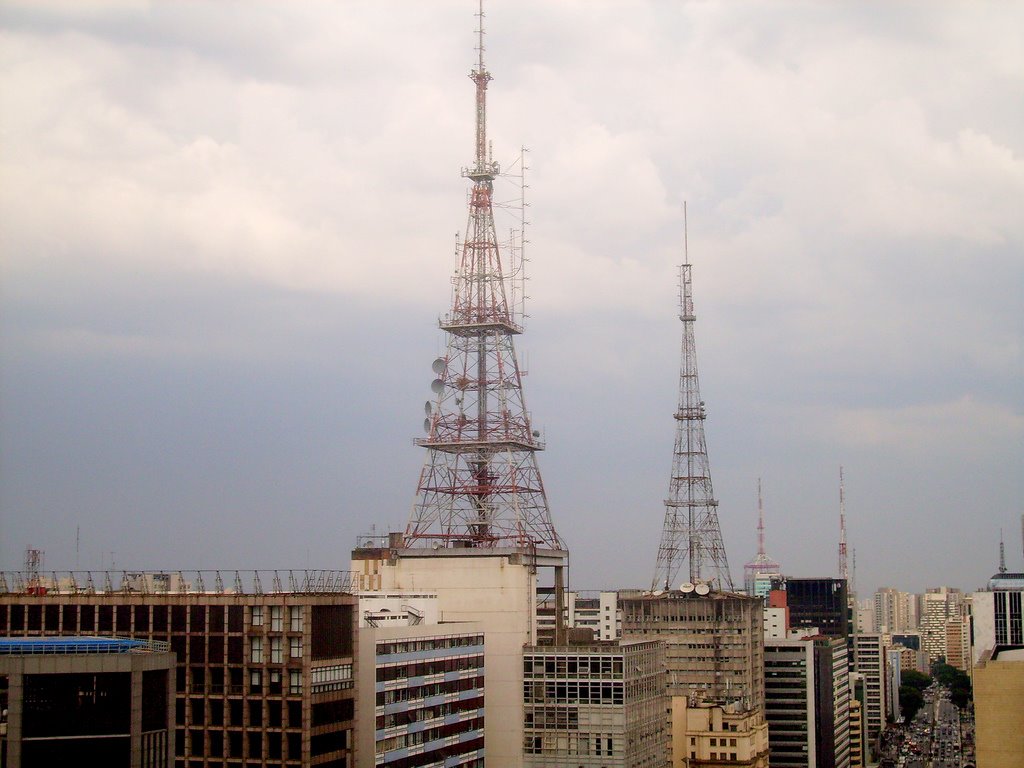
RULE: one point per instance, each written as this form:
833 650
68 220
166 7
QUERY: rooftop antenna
844 572
760 520
1002 553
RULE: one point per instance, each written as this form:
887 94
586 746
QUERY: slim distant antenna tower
1002 553
691 533
844 572
480 485
761 564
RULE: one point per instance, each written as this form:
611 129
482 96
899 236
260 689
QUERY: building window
256 616
295 644
256 681
275 650
276 621
256 654
294 681
295 618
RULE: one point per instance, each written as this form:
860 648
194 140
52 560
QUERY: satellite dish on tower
702 589
426 426
438 366
658 592
427 408
686 587
436 386
536 433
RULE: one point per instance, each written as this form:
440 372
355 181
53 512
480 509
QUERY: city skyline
226 246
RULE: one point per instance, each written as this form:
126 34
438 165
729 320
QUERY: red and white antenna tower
691 533
761 564
480 485
844 571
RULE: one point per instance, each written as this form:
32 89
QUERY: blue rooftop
21 646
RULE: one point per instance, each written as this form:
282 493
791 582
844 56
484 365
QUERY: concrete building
496 587
893 680
421 696
711 736
869 662
938 606
998 710
958 642
262 677
595 705
86 701
997 616
821 604
857 750
894 611
714 651
807 705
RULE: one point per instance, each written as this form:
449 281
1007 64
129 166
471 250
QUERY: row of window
390 647
408 716
408 669
417 692
573 666
406 740
600 745
570 692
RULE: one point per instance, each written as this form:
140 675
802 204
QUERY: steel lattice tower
762 563
480 485
691 533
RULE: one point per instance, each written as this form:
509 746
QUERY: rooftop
60 646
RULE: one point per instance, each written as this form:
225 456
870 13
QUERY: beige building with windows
999 708
710 735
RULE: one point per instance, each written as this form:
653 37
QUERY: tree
915 679
956 680
911 700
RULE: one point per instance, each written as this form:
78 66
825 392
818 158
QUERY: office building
262 677
998 617
820 604
595 705
869 662
938 606
86 701
707 735
998 710
807 702
714 652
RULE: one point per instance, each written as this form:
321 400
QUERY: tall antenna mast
760 520
691 532
844 572
480 485
1002 553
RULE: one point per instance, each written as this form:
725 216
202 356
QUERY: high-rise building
858 751
86 701
596 705
807 699
714 653
820 604
998 714
869 662
998 619
938 606
894 611
262 677
421 696
706 735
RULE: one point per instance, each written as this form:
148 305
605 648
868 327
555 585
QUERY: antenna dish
437 386
427 408
426 426
702 589
438 366
536 433
686 587
658 592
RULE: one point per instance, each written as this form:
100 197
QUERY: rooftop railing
255 582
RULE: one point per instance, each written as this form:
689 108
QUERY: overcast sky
228 228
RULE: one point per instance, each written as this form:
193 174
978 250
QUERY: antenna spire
1002 553
844 572
482 168
760 520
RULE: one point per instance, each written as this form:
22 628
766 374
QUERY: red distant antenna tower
761 564
480 485
844 572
